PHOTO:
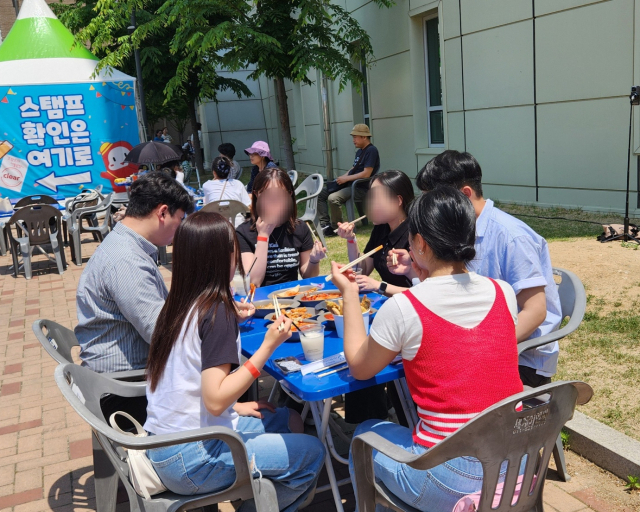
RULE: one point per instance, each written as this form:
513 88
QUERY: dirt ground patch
605 350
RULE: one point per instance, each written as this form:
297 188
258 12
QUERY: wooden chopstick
278 312
359 218
356 261
333 371
315 237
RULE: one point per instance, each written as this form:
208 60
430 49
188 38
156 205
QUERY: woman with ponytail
222 187
456 334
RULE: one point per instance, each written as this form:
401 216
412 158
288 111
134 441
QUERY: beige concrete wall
537 91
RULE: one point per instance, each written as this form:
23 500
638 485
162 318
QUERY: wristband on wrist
263 239
352 241
313 262
252 369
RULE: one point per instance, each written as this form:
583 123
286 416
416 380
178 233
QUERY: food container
298 291
295 335
318 297
339 321
262 312
308 311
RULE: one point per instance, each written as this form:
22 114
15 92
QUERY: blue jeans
435 490
291 462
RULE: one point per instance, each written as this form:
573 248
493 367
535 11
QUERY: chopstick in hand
356 261
358 219
278 312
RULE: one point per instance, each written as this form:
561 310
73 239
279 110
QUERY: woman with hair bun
222 187
456 334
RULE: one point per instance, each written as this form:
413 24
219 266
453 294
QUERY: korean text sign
62 138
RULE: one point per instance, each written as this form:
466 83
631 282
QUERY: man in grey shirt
121 290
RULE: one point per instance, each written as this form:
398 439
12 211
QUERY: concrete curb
604 446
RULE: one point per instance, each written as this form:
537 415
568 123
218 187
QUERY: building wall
537 90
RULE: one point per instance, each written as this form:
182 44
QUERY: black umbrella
156 153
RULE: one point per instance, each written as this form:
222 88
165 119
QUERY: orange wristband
252 369
263 239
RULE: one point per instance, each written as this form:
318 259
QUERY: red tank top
459 372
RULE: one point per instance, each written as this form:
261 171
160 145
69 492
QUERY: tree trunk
196 140
285 128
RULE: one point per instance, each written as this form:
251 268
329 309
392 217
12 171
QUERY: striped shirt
120 295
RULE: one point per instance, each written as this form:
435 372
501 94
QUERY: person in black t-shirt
282 244
338 192
388 203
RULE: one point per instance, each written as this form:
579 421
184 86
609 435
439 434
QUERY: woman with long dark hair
281 243
388 200
456 334
194 378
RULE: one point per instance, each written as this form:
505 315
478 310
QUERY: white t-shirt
176 404
234 191
462 299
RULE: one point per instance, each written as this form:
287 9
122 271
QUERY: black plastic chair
29 200
500 433
83 388
37 226
353 202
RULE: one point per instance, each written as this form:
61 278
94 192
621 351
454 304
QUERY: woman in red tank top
456 334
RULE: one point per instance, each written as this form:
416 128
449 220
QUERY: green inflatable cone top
38 34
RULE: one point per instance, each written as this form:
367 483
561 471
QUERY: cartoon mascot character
113 155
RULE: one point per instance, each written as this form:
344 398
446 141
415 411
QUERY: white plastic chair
293 175
311 186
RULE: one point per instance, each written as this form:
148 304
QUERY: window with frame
435 114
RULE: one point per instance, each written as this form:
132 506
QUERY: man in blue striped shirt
121 290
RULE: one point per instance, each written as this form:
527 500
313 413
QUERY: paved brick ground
45 448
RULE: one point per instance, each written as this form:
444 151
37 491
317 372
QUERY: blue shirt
508 249
120 295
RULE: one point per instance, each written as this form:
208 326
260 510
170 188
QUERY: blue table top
310 387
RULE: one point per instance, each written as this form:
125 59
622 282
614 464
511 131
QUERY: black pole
626 209
136 53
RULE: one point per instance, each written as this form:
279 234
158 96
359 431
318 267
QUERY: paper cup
312 341
339 321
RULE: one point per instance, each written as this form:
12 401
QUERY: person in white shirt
221 187
195 378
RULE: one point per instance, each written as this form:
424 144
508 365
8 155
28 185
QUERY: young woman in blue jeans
456 334
194 377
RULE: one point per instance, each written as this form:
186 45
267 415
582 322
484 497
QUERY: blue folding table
318 392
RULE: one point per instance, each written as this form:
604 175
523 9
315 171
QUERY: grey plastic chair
227 208
311 186
573 304
293 175
83 388
59 341
76 228
84 199
351 203
36 226
500 433
3 238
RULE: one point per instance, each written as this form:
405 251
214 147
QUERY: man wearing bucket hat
260 157
337 192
